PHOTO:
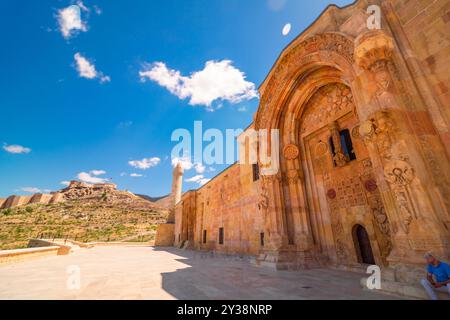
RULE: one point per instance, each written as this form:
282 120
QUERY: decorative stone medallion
291 152
370 185
366 129
331 194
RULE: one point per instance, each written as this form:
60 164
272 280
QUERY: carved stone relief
334 101
291 152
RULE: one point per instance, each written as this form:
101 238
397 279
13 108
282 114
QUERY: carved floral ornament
329 103
291 152
295 57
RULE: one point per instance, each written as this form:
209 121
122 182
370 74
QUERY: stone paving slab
167 273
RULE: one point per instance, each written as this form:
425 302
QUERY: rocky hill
87 213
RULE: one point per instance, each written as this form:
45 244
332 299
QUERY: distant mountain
163 202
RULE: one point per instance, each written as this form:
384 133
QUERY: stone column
272 209
294 179
404 181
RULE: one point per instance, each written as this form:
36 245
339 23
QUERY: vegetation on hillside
85 220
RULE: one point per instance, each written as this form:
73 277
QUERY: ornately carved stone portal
342 173
364 169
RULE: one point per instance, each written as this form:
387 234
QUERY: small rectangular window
220 235
204 236
255 172
346 146
262 239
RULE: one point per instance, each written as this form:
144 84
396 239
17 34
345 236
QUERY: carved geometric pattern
350 192
328 104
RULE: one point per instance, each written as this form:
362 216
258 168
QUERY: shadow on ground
209 276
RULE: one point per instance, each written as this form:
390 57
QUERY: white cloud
219 80
187 164
98 10
70 21
199 168
87 70
16 149
199 179
97 172
124 124
145 163
31 189
242 109
91 178
82 6
136 175
65 183
34 190
286 29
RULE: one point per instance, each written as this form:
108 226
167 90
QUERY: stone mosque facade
364 119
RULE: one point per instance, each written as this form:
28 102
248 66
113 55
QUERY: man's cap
428 255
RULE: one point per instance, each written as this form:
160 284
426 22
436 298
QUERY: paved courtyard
154 273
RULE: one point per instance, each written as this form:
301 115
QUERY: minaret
165 234
177 183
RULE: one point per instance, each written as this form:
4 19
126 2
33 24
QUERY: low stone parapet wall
13 256
40 243
88 245
114 244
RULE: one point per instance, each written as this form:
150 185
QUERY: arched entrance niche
309 98
363 247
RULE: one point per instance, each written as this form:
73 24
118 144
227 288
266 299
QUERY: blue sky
85 99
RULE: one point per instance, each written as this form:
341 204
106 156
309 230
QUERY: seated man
438 277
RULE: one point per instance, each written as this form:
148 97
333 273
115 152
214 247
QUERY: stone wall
12 201
165 235
229 201
57 197
426 25
16 201
40 198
